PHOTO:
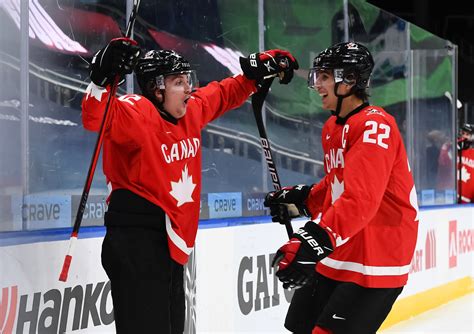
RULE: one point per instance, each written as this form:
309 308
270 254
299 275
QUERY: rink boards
234 289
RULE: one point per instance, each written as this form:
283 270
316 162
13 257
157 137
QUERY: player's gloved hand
258 66
296 260
119 57
288 203
463 144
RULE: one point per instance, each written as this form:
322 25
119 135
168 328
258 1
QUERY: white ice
455 317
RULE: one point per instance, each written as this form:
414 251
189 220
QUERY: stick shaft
95 158
257 104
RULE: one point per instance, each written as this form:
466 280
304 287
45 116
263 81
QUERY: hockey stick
94 159
257 103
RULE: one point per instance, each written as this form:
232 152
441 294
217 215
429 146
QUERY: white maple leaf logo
182 190
465 175
95 91
337 188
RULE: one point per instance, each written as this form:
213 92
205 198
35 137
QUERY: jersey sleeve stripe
176 239
366 270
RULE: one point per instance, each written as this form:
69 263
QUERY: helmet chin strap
340 98
339 104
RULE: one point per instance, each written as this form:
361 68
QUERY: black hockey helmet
155 65
468 128
465 138
351 62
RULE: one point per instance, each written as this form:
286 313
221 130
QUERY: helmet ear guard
350 79
341 75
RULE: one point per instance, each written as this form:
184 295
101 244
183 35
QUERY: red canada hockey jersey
158 160
466 172
367 199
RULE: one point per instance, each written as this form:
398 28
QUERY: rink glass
45 152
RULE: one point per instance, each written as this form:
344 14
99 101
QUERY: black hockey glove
463 144
117 58
296 260
288 203
258 66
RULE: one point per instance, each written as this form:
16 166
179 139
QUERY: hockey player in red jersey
466 164
152 163
352 264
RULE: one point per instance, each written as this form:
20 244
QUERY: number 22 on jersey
376 133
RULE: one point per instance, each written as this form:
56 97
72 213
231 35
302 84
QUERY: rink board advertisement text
237 260
35 300
442 266
42 211
235 287
444 249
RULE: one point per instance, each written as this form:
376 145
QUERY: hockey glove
296 260
117 58
288 203
258 66
463 144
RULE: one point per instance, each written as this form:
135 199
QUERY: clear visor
314 72
312 76
184 79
